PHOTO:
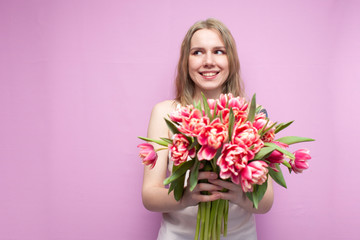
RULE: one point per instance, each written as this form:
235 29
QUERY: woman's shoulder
160 111
165 107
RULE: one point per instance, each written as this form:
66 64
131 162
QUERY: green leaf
269 128
282 126
255 197
258 109
257 194
179 188
215 167
194 173
171 187
197 105
206 106
264 153
251 115
280 149
179 172
215 110
173 184
160 142
231 123
260 191
168 140
293 139
194 143
172 126
263 128
285 163
250 196
278 176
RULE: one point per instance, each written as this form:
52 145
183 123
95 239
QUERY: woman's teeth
209 74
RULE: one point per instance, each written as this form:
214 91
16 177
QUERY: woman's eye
196 52
219 52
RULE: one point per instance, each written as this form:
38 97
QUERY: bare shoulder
157 126
162 109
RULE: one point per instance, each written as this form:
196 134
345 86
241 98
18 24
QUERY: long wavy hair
185 87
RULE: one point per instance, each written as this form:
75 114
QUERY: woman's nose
209 60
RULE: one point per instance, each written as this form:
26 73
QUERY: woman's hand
236 195
192 198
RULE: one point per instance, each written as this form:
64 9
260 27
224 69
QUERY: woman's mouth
209 74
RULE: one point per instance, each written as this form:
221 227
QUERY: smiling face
208 63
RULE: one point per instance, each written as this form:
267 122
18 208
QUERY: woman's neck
208 94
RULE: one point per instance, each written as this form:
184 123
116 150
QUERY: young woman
209 64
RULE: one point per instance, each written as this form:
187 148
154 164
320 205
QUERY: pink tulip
239 115
276 156
148 154
260 120
181 112
193 124
254 173
179 149
212 103
222 102
300 162
211 138
269 136
238 103
259 123
246 134
232 160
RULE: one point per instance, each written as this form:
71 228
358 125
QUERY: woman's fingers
207 198
235 193
207 187
191 198
207 175
224 184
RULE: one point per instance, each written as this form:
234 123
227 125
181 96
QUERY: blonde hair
185 87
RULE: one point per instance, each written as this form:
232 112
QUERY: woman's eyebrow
197 48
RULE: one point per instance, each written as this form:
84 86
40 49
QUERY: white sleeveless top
180 225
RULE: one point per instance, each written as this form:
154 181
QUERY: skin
208 63
209 69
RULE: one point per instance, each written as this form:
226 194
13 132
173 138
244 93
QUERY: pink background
78 80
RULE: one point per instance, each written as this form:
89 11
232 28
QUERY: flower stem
202 224
219 219
213 220
198 218
226 215
207 220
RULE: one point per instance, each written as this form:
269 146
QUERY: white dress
180 225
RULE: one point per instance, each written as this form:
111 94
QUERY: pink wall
78 80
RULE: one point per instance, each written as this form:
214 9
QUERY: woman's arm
154 194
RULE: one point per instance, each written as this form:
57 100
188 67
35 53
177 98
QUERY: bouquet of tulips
233 138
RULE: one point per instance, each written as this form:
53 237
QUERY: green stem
207 220
226 214
202 228
214 215
198 218
219 218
